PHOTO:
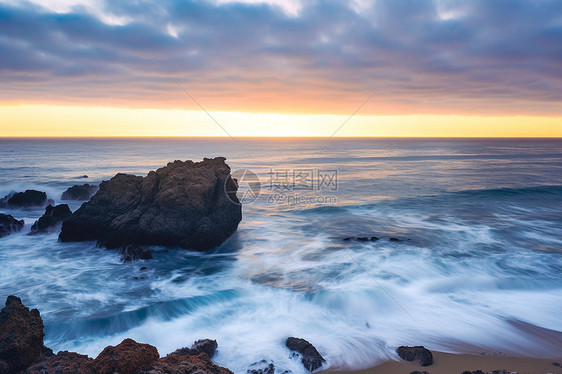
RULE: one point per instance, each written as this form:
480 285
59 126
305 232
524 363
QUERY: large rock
27 199
51 219
128 357
187 364
8 224
79 192
311 359
64 363
417 353
21 336
184 204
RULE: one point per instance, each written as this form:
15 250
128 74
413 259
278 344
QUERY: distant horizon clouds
467 57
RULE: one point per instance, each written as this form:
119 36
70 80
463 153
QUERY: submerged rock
261 367
311 359
207 346
128 357
21 336
417 353
184 204
51 219
27 199
8 224
187 364
134 252
79 192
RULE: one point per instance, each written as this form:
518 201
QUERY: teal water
477 268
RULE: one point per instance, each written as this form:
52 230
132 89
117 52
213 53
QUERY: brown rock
64 363
128 357
174 364
417 353
21 336
184 204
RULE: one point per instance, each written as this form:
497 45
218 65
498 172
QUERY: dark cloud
472 56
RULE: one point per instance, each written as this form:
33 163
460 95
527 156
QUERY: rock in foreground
174 364
8 225
51 219
184 204
417 353
79 192
21 336
311 359
128 357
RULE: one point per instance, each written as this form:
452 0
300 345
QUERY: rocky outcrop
417 353
128 357
134 252
184 204
311 359
187 364
51 219
22 351
207 346
64 363
8 225
21 336
79 192
27 199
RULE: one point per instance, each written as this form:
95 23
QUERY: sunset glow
280 68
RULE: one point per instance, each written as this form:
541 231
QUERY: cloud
322 56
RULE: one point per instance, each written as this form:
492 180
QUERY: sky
281 68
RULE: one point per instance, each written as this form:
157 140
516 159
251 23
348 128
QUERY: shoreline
451 363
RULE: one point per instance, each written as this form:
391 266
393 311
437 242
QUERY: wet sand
447 363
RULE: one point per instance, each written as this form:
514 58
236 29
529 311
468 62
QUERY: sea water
477 267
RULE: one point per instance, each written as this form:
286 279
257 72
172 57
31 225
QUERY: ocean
476 266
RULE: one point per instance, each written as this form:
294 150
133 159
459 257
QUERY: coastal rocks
64 362
207 346
311 359
21 336
8 225
79 192
51 219
261 367
417 353
128 357
184 204
134 252
27 199
187 364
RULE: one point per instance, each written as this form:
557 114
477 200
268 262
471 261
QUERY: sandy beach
447 363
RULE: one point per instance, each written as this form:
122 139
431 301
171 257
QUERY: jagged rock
79 192
262 367
207 346
128 357
394 240
134 252
51 219
311 359
8 225
64 363
21 336
417 353
184 204
187 364
29 198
